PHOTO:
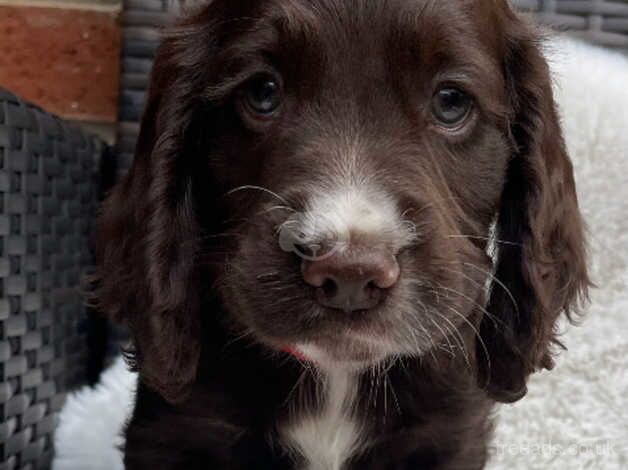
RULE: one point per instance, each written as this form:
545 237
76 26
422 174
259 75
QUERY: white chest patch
328 438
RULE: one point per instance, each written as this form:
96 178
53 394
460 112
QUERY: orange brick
66 61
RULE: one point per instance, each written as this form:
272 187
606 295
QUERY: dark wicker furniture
48 199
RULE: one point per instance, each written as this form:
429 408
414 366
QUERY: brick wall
64 57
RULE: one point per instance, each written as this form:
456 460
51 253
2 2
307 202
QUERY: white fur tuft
355 211
91 423
328 438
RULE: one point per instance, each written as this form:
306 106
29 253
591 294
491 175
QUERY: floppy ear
541 256
148 232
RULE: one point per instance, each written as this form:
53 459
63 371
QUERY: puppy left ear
148 230
541 257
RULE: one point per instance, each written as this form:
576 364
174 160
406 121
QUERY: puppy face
373 135
325 176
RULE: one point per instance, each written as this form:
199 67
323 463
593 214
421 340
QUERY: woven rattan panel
47 201
141 21
599 21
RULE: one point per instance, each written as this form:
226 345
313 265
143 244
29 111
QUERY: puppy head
331 174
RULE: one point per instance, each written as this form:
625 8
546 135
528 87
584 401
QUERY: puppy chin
350 354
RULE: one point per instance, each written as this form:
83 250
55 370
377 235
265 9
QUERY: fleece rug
575 417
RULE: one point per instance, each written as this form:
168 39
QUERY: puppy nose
352 280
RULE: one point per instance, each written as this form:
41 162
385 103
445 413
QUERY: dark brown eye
450 106
263 95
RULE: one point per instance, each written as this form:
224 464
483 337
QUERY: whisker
296 385
498 282
248 335
392 391
481 286
466 297
477 334
445 336
480 237
457 336
427 335
424 207
277 208
257 188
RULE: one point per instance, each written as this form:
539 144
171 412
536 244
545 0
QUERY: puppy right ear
148 234
542 266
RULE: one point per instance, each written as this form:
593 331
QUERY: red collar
294 352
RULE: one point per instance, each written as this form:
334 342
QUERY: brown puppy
349 230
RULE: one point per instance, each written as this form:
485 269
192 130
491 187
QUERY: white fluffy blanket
575 417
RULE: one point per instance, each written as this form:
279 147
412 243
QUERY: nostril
352 281
371 287
330 287
373 292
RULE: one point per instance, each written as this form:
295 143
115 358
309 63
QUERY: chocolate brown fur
183 258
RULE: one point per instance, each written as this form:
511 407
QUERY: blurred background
73 76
